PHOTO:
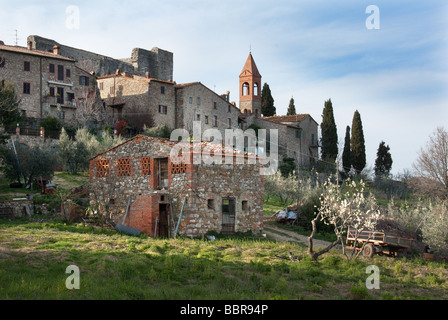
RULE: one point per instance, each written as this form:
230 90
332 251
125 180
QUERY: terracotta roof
197 147
183 85
133 76
287 119
33 52
251 66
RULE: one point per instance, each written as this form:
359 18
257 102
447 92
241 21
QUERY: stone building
297 137
142 100
145 184
156 63
47 83
196 102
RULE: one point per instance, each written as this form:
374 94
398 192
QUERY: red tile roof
197 147
33 52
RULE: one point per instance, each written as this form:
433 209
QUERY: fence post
18 130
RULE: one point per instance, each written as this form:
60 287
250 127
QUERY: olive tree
343 209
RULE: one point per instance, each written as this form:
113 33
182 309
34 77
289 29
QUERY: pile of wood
392 227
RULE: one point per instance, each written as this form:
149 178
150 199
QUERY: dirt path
281 234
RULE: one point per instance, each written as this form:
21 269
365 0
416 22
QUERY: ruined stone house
143 184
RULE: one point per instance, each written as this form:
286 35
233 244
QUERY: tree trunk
314 255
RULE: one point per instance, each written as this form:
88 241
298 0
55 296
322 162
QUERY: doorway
228 215
163 228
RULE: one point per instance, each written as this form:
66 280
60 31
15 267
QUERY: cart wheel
368 250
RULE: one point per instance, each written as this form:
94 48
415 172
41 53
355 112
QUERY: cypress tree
291 108
329 137
358 152
267 102
383 162
346 154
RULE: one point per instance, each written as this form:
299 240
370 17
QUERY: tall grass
34 257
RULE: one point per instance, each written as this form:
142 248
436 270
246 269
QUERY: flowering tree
343 209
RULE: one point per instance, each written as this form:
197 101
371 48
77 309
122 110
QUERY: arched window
255 89
246 89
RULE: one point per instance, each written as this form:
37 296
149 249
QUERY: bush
51 123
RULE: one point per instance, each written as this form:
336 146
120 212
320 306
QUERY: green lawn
34 256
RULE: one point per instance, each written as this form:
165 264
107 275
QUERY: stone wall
138 95
18 206
196 100
158 62
198 184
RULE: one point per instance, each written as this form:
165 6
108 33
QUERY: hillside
34 256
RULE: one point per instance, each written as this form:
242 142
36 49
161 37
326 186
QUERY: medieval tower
250 88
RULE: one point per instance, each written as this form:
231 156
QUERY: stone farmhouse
47 83
143 184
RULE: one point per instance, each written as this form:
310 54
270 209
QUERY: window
26 88
215 105
51 92
255 89
191 100
245 89
163 109
211 204
199 101
101 86
112 90
26 66
60 72
70 97
145 163
215 121
244 205
298 134
162 89
102 168
312 139
198 117
229 123
51 68
229 108
124 167
83 81
206 119
68 73
62 115
60 95
2 62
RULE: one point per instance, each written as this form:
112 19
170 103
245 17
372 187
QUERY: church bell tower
250 88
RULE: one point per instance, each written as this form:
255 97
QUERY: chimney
30 45
56 49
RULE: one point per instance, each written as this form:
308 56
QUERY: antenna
17 38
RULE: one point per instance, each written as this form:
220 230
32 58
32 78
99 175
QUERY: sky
389 61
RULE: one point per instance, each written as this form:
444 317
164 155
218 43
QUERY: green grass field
34 256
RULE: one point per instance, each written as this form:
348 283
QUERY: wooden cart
371 242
